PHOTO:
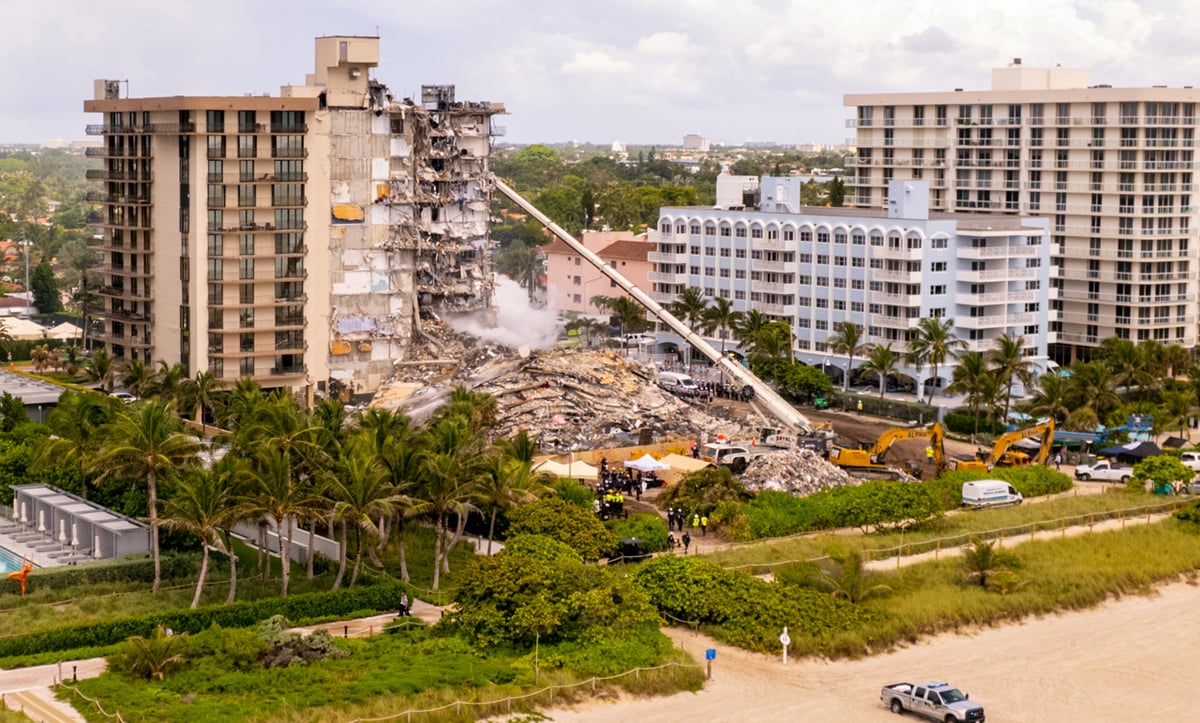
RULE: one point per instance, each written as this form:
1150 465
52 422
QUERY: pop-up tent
1133 450
647 463
570 470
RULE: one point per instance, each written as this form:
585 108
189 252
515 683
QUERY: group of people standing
677 519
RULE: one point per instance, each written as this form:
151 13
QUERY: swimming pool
9 561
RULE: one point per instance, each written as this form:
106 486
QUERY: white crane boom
774 403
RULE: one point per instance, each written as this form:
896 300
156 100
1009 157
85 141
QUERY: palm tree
972 378
199 394
1133 368
76 424
850 579
720 318
202 504
147 441
102 368
275 493
402 457
773 341
1010 365
1050 398
1091 386
848 340
524 265
361 496
689 307
882 361
982 561
630 315
933 342
749 325
508 483
136 377
1178 406
1175 360
452 466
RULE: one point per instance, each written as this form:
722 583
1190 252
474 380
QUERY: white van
990 493
677 383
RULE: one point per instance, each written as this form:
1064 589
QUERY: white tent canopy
65 331
647 463
24 329
570 470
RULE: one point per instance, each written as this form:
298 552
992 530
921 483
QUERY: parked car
1190 459
990 493
124 397
1105 471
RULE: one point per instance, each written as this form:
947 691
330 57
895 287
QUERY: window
246 321
939 290
739 273
939 243
247 146
937 266
215 121
214 270
245 269
789 234
739 253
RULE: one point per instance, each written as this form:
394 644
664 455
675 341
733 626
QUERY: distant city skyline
643 72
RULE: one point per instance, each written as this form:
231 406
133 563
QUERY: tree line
278 466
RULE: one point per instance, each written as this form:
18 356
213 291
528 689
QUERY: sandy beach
1129 659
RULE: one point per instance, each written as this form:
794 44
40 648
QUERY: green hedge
963 423
877 503
136 569
745 611
382 596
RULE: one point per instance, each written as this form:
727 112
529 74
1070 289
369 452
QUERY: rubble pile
800 472
571 398
577 399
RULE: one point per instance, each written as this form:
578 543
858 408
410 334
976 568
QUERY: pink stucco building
571 282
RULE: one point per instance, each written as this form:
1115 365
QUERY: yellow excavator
872 459
1003 454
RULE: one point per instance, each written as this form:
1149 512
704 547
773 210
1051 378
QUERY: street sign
785 640
710 654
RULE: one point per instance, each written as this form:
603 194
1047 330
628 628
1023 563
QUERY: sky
639 71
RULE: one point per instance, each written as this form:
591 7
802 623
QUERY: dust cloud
517 322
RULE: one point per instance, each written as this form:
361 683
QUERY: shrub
539 589
700 492
381 596
563 521
873 504
745 611
650 529
964 423
135 568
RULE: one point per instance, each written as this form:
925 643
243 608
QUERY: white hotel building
884 270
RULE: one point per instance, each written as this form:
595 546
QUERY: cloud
929 40
595 61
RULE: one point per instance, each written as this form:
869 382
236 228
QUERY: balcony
996 252
980 322
894 322
662 297
907 277
775 309
760 265
667 278
296 370
289 153
97 197
773 287
667 257
771 244
897 252
897 299
288 127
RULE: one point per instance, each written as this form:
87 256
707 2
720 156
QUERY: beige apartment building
300 239
1111 168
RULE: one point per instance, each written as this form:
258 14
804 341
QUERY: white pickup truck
937 701
1105 471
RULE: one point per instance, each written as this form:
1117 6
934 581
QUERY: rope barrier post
1032 531
937 550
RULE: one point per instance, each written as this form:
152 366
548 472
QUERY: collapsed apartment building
335 217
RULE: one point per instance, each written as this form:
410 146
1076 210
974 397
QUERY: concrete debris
800 472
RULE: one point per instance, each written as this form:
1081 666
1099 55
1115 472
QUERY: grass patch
769 554
382 675
1056 575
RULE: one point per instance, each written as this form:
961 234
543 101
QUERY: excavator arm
1001 451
